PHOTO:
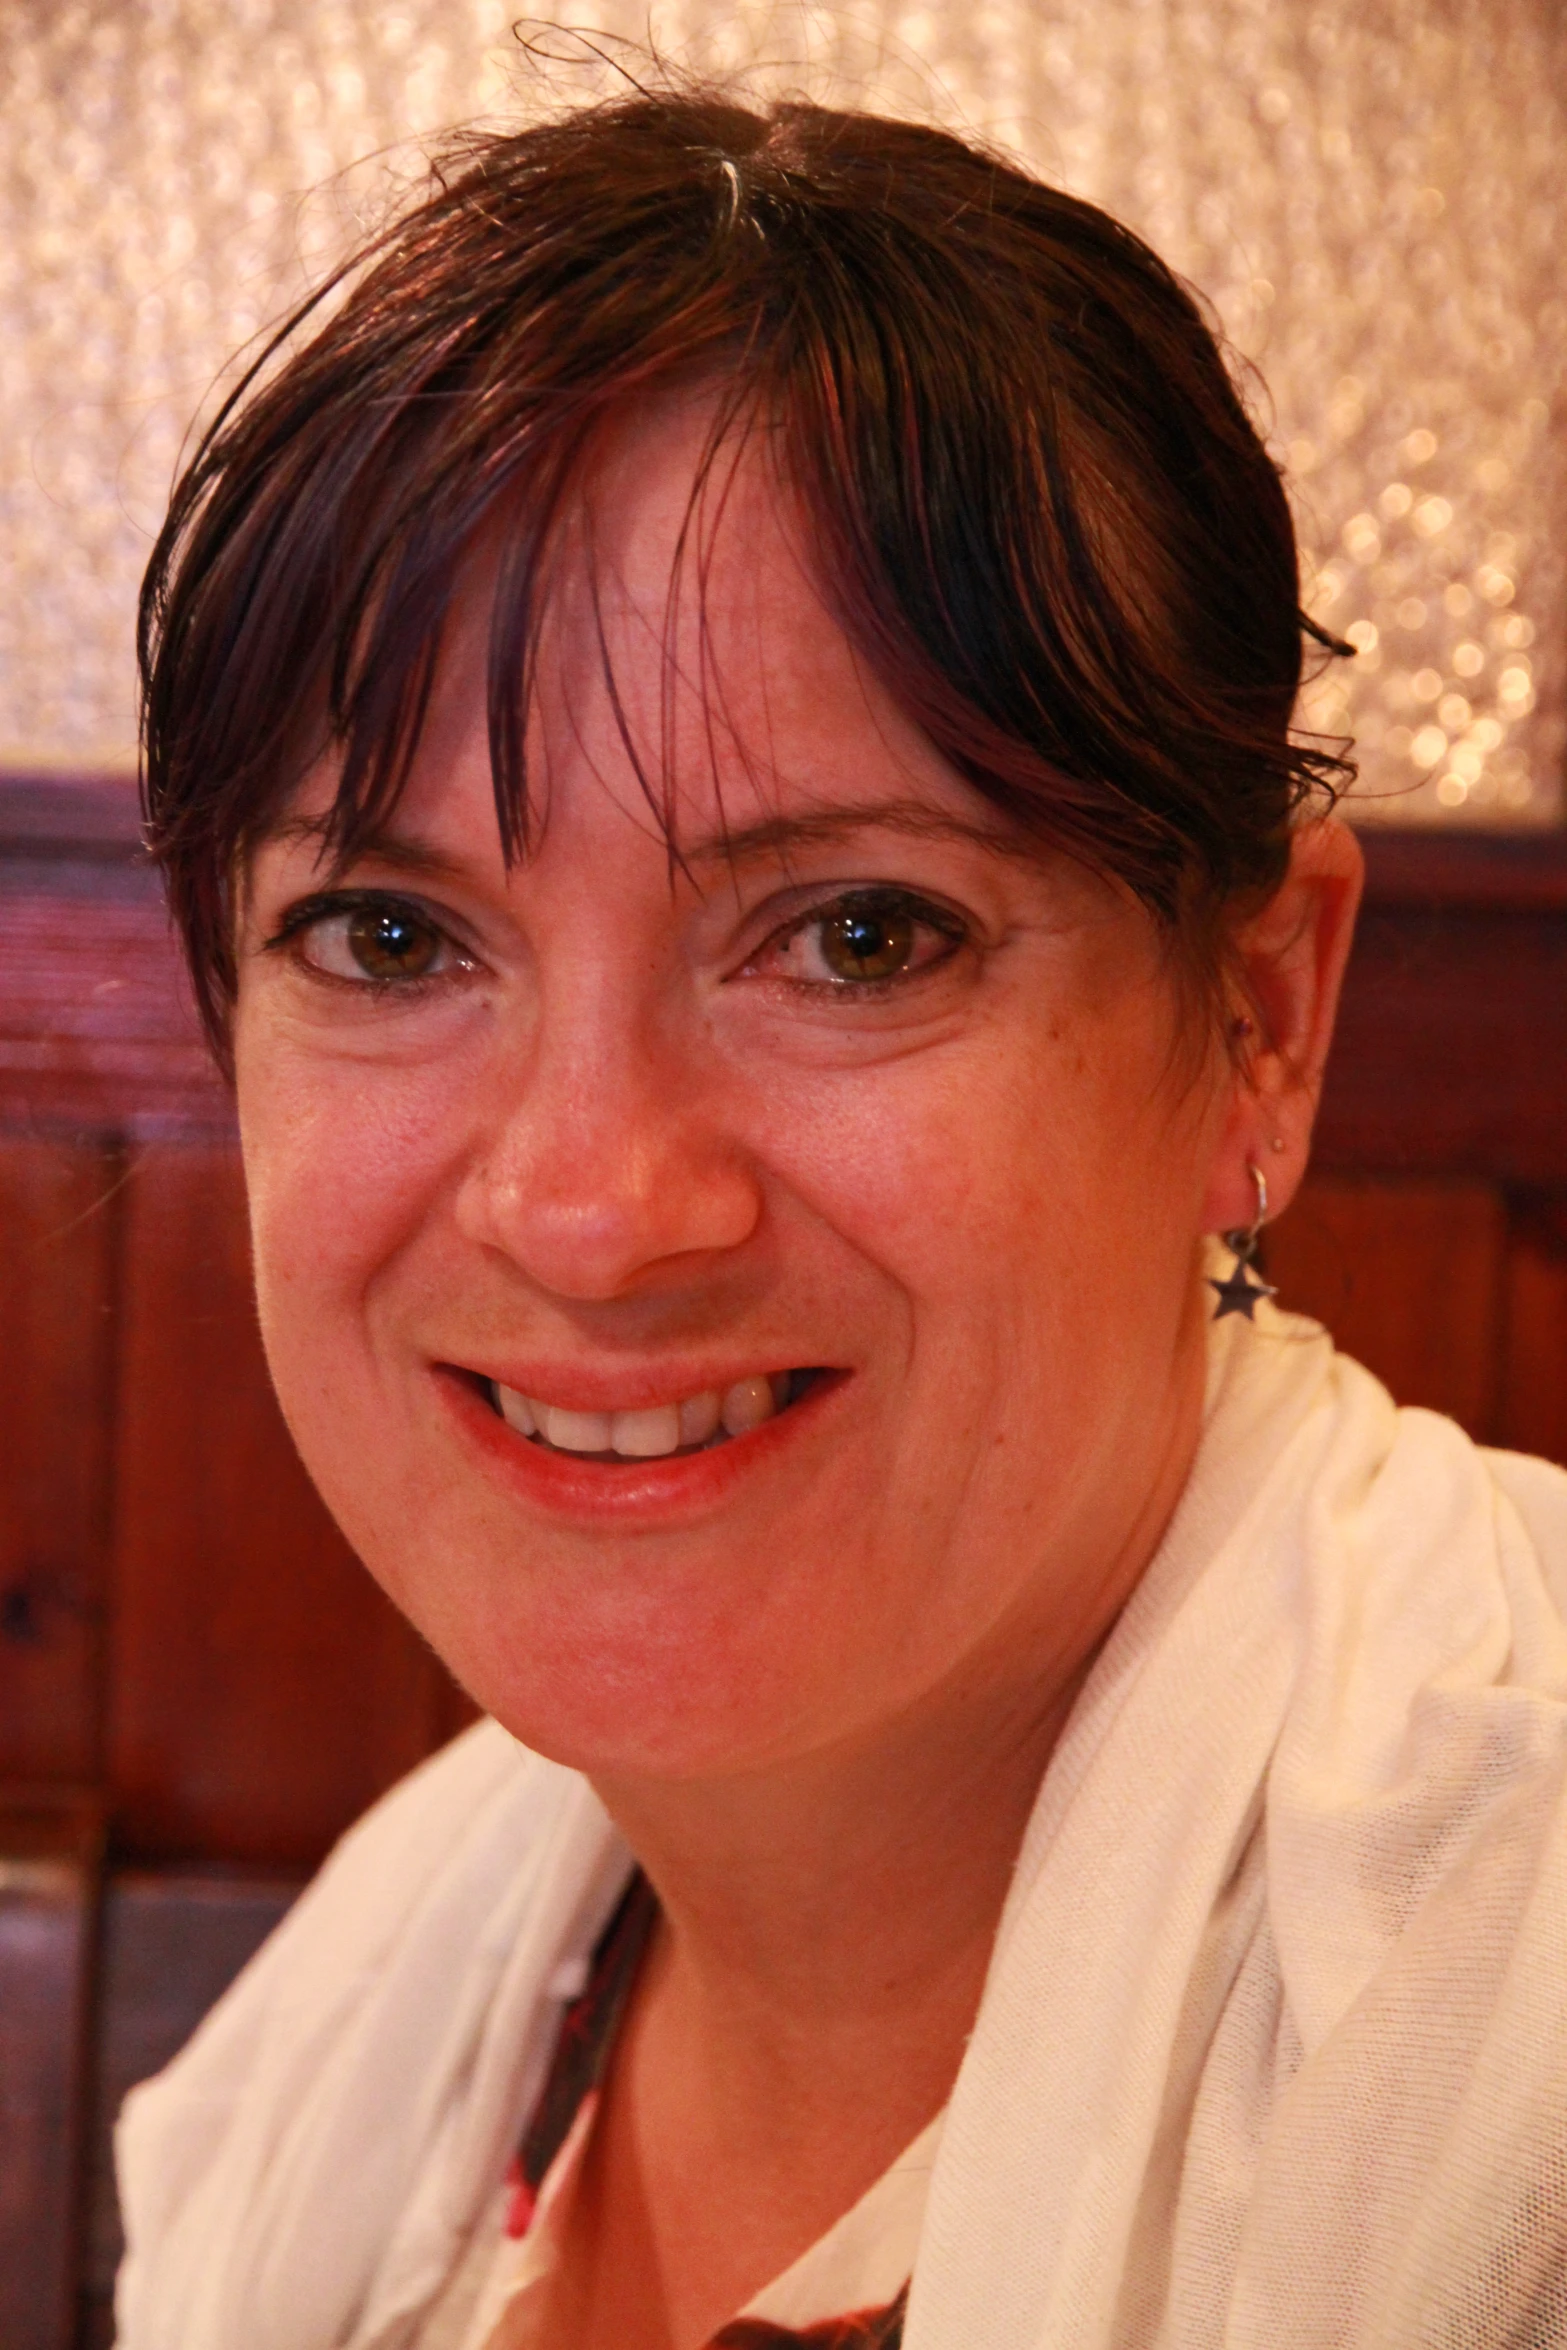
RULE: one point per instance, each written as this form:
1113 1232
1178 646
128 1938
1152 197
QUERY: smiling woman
720 737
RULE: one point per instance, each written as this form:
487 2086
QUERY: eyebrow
404 851
772 837
776 835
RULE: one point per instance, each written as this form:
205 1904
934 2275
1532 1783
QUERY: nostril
587 1222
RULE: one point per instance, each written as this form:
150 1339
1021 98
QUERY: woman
720 737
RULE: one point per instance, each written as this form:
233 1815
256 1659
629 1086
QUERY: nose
604 1164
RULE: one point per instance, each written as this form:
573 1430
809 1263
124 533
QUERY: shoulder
1537 1490
482 1786
425 1848
422 1867
378 2034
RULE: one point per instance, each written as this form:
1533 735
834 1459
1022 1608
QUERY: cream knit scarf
1273 2053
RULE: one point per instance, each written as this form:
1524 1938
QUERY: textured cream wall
1373 193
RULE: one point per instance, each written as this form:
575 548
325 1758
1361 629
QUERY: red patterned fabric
862 2329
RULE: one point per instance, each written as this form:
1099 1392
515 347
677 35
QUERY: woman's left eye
381 941
864 939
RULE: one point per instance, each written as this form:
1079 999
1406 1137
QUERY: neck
802 1904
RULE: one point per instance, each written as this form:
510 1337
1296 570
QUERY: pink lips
595 1489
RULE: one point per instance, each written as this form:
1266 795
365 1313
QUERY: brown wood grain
1459 865
51 813
59 1214
262 1689
170 1943
1451 1053
96 1026
1410 1278
1533 1408
50 1843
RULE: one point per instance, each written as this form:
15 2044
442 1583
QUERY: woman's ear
1289 965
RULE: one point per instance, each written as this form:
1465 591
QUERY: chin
613 1716
617 1662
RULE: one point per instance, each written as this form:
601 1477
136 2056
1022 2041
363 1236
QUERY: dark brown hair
1037 501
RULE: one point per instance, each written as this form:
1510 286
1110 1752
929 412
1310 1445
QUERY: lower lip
628 1493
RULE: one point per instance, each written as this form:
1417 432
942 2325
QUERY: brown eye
861 942
867 942
392 942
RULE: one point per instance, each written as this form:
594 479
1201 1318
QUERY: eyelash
888 903
311 913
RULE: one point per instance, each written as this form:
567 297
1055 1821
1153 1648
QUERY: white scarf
1273 2053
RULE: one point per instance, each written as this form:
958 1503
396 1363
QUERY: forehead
686 612
688 664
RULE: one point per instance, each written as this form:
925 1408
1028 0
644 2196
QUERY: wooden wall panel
171 1942
58 1224
1533 1409
1411 1278
1451 1052
262 1690
96 1025
49 1855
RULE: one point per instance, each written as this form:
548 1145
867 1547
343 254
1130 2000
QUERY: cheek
1038 1158
1036 1203
343 1167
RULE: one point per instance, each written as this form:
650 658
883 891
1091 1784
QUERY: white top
497 2297
1272 2051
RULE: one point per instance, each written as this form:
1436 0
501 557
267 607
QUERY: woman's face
855 1124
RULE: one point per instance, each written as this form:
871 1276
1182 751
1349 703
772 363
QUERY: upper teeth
656 1429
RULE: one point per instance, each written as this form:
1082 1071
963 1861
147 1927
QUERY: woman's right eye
383 942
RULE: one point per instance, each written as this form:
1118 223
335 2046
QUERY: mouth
668 1430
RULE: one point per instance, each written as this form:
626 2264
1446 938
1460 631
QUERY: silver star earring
1242 1286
